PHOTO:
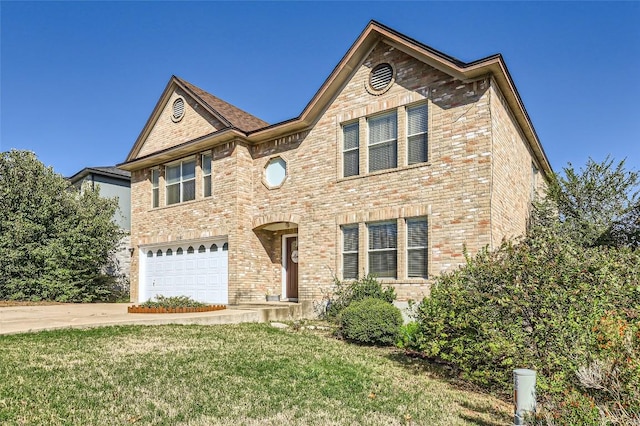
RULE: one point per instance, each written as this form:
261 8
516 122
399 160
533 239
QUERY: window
213 247
383 249
206 174
169 252
159 253
155 187
351 146
350 252
179 251
383 142
275 172
190 250
417 248
202 249
225 247
149 253
181 182
417 134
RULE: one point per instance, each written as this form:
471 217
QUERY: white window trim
155 186
370 250
205 175
357 148
426 132
356 251
408 249
181 182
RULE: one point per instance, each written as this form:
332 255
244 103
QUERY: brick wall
465 190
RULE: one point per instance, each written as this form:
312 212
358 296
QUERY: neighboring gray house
112 182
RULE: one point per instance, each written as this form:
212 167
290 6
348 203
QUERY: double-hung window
417 248
351 146
206 174
383 142
350 252
383 252
417 134
155 187
181 181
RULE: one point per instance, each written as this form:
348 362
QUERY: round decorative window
275 172
178 110
380 78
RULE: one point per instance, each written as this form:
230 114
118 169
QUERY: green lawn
249 374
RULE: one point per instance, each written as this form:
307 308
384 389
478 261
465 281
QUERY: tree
598 205
54 240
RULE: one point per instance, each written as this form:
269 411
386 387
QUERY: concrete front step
278 311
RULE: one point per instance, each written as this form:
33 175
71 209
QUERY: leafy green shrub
54 241
172 302
541 304
408 335
371 321
347 292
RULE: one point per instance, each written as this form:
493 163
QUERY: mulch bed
184 310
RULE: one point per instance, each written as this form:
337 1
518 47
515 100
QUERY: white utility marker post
524 394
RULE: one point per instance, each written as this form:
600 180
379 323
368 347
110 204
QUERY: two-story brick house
402 157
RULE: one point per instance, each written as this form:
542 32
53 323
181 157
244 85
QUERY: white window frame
416 248
207 175
351 252
386 249
355 124
425 133
155 187
372 144
181 182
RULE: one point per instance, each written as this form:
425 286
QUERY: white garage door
199 271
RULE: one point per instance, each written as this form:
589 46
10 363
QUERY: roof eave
183 150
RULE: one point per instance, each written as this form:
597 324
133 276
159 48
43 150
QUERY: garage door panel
201 274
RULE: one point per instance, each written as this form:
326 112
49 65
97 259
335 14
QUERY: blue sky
78 80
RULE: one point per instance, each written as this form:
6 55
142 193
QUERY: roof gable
204 114
248 127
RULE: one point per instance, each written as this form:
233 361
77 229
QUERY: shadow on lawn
477 414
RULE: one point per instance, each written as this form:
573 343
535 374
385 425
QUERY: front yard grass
248 374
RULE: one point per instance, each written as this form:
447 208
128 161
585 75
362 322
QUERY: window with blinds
206 174
417 134
417 248
383 254
181 182
351 149
350 252
383 142
155 187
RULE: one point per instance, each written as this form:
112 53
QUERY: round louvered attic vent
381 78
178 110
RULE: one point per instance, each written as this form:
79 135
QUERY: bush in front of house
371 321
347 292
54 240
172 302
567 311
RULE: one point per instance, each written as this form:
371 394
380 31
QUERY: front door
291 266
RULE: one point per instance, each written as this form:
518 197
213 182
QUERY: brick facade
474 190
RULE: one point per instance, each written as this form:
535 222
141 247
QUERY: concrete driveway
22 319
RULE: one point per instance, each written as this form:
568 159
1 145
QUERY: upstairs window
350 252
181 182
383 142
206 174
351 153
383 252
417 134
417 248
155 187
